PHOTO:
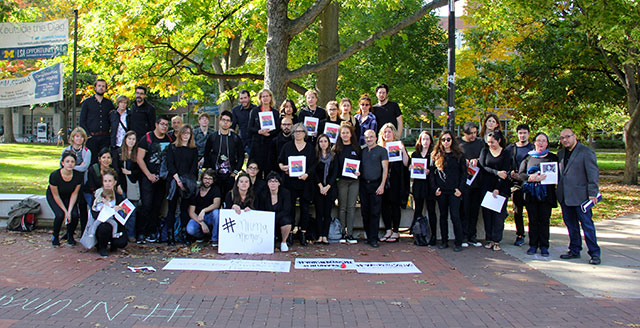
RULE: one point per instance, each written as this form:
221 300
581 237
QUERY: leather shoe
595 260
569 256
457 249
374 244
444 245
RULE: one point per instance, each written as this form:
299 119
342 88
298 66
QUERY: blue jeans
573 218
211 220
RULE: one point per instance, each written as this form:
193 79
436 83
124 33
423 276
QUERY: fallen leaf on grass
419 281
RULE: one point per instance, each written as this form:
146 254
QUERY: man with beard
224 153
240 115
143 114
387 111
95 119
285 135
204 209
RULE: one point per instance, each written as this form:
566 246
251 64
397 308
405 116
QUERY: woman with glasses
333 116
277 200
258 185
182 163
301 187
365 118
396 187
450 174
496 162
538 199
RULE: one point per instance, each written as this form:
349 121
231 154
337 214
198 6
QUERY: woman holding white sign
348 156
333 117
241 197
539 199
397 188
422 191
449 176
297 176
325 176
261 136
497 162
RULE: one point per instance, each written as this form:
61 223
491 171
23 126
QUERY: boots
303 238
171 239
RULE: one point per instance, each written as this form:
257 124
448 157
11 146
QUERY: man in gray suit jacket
578 182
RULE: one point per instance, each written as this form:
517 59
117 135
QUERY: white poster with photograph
395 151
350 168
246 233
311 124
267 121
419 168
331 130
297 166
551 172
126 208
387 267
493 203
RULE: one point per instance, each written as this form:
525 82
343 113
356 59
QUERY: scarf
326 160
536 154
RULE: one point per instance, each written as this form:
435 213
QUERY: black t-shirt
567 155
347 152
203 202
156 150
65 189
471 149
387 113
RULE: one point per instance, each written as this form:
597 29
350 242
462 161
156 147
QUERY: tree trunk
8 126
632 149
328 45
276 73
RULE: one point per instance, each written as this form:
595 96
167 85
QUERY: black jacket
212 149
114 117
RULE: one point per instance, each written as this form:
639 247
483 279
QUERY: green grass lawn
25 168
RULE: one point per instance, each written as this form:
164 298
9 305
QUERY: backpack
22 215
421 231
335 230
23 223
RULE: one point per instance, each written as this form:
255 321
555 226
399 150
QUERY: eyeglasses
273 181
365 104
566 137
446 139
299 131
207 178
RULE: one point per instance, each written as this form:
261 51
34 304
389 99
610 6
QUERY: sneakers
343 240
351 239
214 243
140 240
55 241
473 242
569 255
519 241
284 247
458 248
465 245
595 260
544 251
532 250
103 252
151 239
70 240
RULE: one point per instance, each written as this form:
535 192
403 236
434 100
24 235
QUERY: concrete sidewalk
619 274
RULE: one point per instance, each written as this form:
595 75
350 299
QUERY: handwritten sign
387 267
324 264
228 265
248 233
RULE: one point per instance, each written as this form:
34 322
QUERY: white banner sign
325 264
387 267
228 265
40 87
34 40
250 232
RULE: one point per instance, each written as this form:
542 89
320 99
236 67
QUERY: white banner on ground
325 264
40 87
250 232
228 265
34 40
387 267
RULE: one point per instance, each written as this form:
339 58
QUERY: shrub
609 144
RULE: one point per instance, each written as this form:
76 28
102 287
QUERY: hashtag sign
228 224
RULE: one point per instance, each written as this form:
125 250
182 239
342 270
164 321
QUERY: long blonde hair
394 131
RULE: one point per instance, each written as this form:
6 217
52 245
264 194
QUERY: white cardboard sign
249 232
325 264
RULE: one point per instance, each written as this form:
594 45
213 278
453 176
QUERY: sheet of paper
472 173
395 151
105 214
493 203
350 167
311 124
297 165
419 168
324 264
228 265
126 208
551 171
387 267
331 130
267 121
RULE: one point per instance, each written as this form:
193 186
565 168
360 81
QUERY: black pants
104 235
152 195
494 222
390 211
170 220
450 204
83 210
323 204
370 209
431 211
539 214
225 183
471 200
95 144
296 194
59 216
518 206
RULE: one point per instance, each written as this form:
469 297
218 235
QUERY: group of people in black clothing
199 171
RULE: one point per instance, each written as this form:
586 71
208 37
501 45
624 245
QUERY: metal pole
451 80
75 67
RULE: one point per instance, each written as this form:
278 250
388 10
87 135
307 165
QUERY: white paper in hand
493 203
105 214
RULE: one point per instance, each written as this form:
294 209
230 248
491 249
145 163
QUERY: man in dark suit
578 183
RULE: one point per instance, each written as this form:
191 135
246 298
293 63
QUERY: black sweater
491 166
452 177
182 160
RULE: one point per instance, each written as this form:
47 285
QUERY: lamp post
451 77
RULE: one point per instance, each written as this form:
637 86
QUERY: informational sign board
250 232
34 40
40 87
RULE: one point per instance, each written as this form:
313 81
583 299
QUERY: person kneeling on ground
278 200
204 209
110 231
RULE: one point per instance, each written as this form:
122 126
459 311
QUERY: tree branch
299 24
615 68
297 88
363 44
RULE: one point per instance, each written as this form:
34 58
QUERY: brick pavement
65 287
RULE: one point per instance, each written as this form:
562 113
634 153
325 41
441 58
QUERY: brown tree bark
328 44
8 126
